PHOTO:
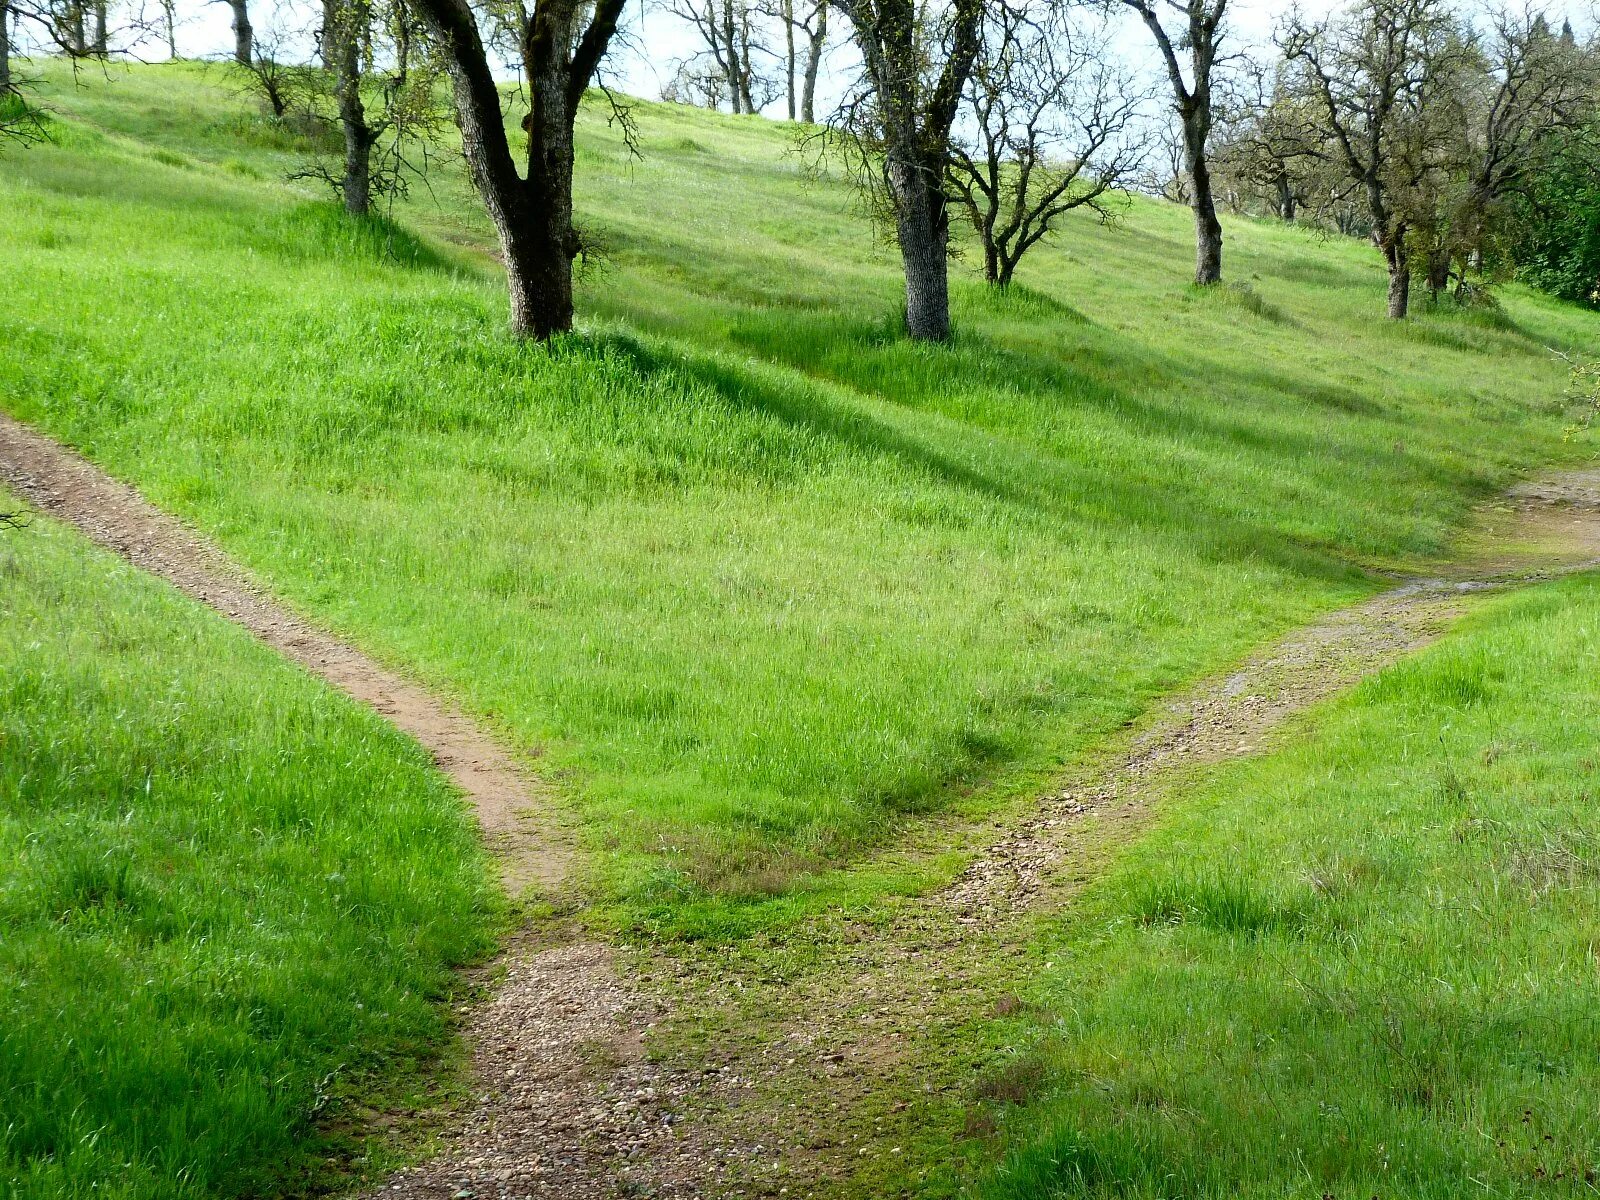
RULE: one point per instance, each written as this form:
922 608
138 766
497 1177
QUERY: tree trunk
540 275
1207 229
533 215
100 38
1286 199
1438 273
541 266
745 68
76 39
344 31
5 46
808 97
730 47
244 45
789 56
169 11
1399 263
924 233
533 219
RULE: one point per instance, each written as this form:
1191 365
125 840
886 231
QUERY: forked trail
565 1101
570 1103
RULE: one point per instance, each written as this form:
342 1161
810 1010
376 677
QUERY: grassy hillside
757 578
759 583
1390 987
230 900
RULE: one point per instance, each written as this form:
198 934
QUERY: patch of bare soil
565 1103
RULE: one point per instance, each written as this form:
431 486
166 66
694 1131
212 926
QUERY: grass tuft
1215 902
232 903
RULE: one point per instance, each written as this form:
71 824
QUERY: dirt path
880 1034
1546 529
566 1102
513 809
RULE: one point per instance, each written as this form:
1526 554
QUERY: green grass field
759 578
231 899
1361 965
764 587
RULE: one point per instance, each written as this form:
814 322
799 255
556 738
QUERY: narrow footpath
566 1101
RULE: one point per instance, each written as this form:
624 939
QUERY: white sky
661 40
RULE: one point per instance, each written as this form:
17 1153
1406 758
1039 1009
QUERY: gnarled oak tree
1383 74
1046 128
561 44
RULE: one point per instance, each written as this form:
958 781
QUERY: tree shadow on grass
1002 471
1147 392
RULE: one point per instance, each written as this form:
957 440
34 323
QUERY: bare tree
728 31
561 43
1543 84
805 36
816 46
279 83
19 121
347 31
1167 178
169 20
67 27
1269 143
693 83
917 60
80 29
243 33
1382 74
1539 87
376 138
1045 130
1199 26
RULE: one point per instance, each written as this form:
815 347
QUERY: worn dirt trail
568 1099
566 1103
513 809
1546 529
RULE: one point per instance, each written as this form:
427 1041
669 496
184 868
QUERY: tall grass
1363 965
759 579
230 901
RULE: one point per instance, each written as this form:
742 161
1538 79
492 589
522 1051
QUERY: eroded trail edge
1546 529
856 1053
511 806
